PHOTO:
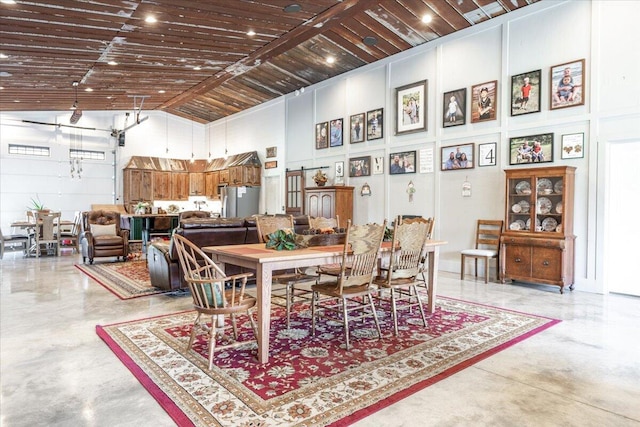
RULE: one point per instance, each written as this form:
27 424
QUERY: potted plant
37 205
141 208
320 178
281 239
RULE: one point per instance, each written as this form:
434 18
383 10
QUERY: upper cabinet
196 184
137 186
211 182
161 185
244 175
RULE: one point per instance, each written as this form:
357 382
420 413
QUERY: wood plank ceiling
197 60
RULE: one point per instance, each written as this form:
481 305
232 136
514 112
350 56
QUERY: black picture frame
335 133
357 127
457 157
360 166
573 92
525 93
322 135
402 162
521 149
411 108
484 108
454 107
375 124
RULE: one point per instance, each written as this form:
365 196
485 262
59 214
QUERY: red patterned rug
129 279
311 380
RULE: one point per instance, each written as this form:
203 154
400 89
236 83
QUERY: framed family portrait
360 166
335 133
455 157
454 105
404 162
411 108
525 93
375 120
484 101
573 146
357 127
322 137
487 154
567 85
531 149
272 152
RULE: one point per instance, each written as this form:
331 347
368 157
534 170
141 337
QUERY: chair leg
462 259
193 331
486 269
394 311
375 317
288 306
212 340
313 312
476 271
424 319
345 320
235 327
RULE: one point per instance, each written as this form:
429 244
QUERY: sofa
162 258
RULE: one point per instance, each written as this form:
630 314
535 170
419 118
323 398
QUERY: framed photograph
322 135
357 128
360 166
531 149
487 154
525 93
404 162
456 157
484 101
335 133
573 146
374 124
271 164
411 108
454 105
567 85
272 152
339 168
378 165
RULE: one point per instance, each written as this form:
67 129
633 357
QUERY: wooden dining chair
215 296
487 247
348 296
47 232
402 277
320 222
430 222
71 237
286 281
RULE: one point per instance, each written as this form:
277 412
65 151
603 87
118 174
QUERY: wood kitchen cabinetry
329 202
196 184
161 185
180 186
137 186
211 182
538 242
224 176
244 175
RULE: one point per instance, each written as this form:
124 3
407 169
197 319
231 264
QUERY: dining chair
320 222
71 237
350 292
487 247
402 276
286 280
423 282
213 299
47 232
10 240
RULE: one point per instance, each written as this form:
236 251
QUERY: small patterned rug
311 380
128 279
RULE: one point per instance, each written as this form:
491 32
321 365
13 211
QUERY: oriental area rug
129 279
310 380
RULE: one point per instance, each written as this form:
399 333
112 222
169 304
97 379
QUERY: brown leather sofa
162 259
98 244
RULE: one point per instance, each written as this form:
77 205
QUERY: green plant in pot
281 240
37 205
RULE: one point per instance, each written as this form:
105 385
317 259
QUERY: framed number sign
487 154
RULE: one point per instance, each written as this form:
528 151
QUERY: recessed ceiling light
16 100
251 33
293 8
197 68
161 91
1 87
370 41
150 19
427 18
112 63
88 89
3 56
330 59
8 1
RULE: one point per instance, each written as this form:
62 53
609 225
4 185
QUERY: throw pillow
103 230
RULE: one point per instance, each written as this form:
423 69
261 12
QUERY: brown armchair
102 236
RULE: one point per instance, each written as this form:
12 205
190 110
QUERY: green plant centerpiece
281 240
36 204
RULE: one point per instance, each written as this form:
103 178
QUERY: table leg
433 279
263 285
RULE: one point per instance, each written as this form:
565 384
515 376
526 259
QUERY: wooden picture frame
357 128
272 152
454 107
487 154
572 146
360 166
335 133
457 157
403 162
411 108
484 101
522 149
525 93
375 123
567 85
271 164
322 135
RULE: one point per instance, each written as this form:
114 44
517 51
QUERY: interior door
295 193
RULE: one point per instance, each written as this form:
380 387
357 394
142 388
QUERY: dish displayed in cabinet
517 225
516 208
523 187
559 207
524 206
549 224
558 187
528 225
544 205
545 186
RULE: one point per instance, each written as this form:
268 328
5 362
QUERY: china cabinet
537 244
329 202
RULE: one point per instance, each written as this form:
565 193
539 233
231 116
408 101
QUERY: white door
622 233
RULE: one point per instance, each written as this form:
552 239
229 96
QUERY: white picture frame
339 169
378 165
487 154
573 146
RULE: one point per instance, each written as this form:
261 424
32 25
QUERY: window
29 150
86 154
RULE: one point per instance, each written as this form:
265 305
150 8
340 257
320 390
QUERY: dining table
265 261
30 225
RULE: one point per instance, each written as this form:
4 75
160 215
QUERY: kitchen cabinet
161 185
179 185
211 182
196 184
137 186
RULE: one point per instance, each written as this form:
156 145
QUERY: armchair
102 236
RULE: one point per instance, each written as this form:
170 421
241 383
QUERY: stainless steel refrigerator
239 201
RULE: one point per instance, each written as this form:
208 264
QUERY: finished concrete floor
55 370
